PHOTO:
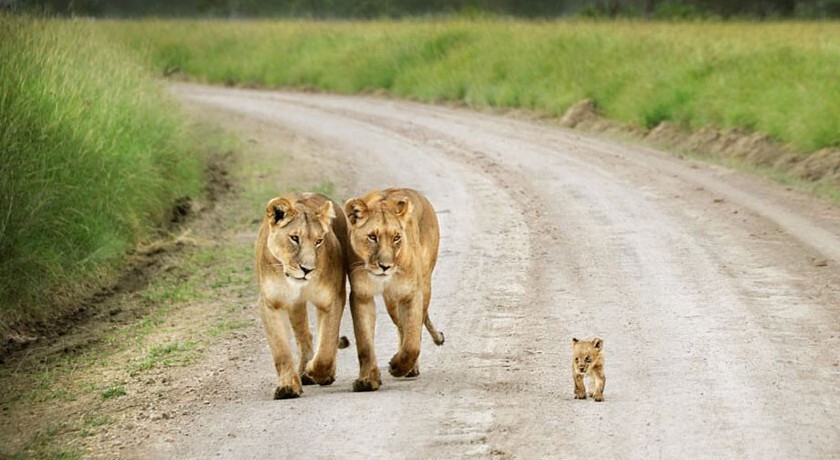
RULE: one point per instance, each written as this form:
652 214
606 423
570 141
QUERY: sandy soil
717 295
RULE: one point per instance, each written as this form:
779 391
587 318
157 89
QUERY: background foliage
402 8
93 158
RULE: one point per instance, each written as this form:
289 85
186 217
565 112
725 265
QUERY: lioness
588 360
394 238
300 257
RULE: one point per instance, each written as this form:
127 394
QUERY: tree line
367 9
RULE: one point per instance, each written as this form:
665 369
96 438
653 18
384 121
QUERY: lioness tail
343 342
437 336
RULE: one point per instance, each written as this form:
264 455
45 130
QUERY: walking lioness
394 238
300 256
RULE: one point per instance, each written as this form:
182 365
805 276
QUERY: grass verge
94 157
156 354
774 78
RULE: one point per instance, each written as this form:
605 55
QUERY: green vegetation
93 157
40 445
405 8
171 354
775 78
114 392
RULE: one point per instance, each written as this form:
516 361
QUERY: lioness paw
286 393
320 373
598 398
414 372
402 364
307 379
580 395
362 385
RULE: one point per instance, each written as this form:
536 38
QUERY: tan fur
394 237
588 360
286 285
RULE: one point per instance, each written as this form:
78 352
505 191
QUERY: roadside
94 390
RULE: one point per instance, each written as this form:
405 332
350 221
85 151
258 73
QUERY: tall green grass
92 156
777 78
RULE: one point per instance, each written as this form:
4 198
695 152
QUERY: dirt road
717 295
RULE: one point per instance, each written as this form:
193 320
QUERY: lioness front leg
322 367
300 324
363 310
410 316
580 389
288 380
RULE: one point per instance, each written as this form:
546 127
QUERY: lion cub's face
586 354
377 234
296 236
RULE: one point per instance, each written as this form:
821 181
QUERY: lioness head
296 234
378 233
586 353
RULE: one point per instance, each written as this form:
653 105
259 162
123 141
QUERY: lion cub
588 360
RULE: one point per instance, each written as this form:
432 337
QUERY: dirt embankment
750 149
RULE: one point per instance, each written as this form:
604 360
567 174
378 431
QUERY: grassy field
775 78
93 158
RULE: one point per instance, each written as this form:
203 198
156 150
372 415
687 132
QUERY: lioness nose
305 270
384 267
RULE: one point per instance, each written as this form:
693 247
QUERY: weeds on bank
94 156
775 78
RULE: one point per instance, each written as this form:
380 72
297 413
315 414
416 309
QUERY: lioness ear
598 343
326 214
403 208
574 340
279 211
356 210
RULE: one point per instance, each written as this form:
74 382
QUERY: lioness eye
294 239
397 238
372 237
319 241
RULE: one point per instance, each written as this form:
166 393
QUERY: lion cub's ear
598 343
326 214
280 211
356 211
574 340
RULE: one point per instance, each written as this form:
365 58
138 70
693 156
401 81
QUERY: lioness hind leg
322 367
288 380
303 336
410 314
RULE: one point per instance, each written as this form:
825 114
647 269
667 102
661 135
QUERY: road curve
717 295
